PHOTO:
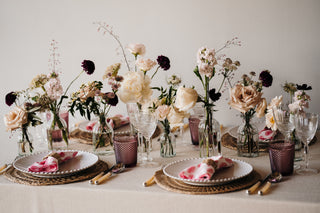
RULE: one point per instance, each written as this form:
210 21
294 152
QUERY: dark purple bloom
163 62
213 95
112 98
88 66
266 78
11 98
303 87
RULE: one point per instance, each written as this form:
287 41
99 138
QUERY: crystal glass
146 124
284 120
306 125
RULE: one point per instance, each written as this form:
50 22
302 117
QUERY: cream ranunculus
135 88
145 64
186 98
175 116
244 98
137 49
15 118
162 112
261 108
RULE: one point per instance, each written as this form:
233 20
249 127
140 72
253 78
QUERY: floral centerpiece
22 116
90 99
170 109
50 96
246 97
208 63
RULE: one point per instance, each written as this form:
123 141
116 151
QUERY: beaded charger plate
174 185
17 176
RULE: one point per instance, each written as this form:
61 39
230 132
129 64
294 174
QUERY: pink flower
53 88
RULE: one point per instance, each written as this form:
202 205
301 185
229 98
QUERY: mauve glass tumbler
125 149
281 157
194 129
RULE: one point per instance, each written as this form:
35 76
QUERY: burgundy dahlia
266 78
213 95
88 66
163 62
303 87
11 98
112 98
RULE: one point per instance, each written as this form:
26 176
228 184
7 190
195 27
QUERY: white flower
145 64
276 101
53 88
270 122
135 88
186 98
175 116
161 112
15 118
206 59
261 108
294 107
137 49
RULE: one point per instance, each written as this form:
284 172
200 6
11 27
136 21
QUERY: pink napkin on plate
115 122
50 163
206 169
266 135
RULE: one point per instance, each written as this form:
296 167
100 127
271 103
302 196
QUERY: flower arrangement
246 97
90 99
300 99
208 63
22 116
50 94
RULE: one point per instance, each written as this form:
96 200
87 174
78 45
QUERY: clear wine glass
284 120
306 125
146 124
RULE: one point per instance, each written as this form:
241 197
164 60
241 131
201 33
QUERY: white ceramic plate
81 161
238 170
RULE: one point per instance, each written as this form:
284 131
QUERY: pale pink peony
161 112
137 49
15 118
145 64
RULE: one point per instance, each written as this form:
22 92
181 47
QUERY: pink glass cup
194 129
125 149
281 157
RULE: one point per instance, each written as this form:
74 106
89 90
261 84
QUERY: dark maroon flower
112 98
266 78
303 87
163 62
11 98
88 66
213 95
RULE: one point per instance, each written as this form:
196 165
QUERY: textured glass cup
125 149
281 157
194 129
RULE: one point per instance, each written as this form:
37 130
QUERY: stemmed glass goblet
284 120
306 125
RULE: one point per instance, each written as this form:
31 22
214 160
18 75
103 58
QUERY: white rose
145 64
135 88
137 49
15 118
261 108
186 98
175 116
162 112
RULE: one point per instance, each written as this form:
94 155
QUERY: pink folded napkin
266 135
206 169
50 163
115 122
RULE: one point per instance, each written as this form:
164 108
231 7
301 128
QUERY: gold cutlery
3 169
253 188
273 178
149 182
117 168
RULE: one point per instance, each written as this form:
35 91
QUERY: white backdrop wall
279 35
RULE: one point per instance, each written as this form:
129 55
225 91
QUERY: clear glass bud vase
57 132
24 142
248 139
102 139
167 145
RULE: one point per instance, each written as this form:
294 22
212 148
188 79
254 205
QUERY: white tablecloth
125 193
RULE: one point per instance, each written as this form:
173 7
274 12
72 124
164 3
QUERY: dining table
124 192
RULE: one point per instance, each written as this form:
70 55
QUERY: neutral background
279 35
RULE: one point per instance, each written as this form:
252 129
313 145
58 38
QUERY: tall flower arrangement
208 63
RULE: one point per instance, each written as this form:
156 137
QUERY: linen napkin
206 169
115 122
266 135
50 163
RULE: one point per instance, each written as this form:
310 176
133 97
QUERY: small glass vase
248 138
102 139
24 143
209 136
167 145
57 132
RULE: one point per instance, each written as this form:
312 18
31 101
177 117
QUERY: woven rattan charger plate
16 176
174 185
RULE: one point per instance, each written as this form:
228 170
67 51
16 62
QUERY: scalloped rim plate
239 170
81 161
